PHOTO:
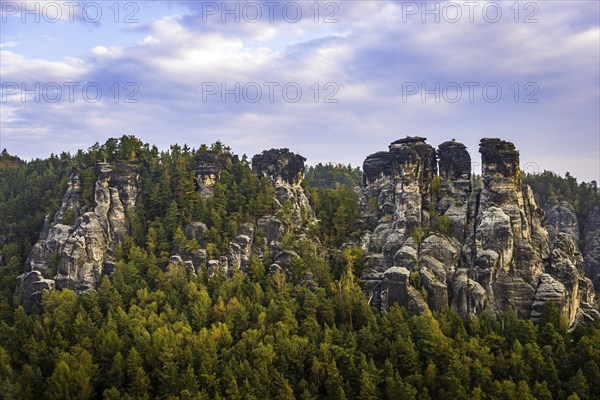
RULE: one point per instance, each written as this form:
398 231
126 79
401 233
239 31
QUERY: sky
331 80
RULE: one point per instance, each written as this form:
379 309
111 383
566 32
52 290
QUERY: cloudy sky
331 80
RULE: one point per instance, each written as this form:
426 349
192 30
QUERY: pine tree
578 385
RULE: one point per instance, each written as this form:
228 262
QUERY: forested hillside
157 328
551 189
574 208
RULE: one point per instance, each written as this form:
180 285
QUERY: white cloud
16 67
8 44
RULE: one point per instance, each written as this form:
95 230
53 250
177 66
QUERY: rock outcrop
71 254
454 186
591 251
484 249
432 239
561 217
567 268
507 258
395 288
397 195
549 289
209 165
285 171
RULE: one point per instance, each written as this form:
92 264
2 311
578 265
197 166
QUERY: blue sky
369 72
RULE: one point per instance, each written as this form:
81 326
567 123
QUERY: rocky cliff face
470 249
432 239
208 168
75 255
75 248
561 217
285 171
454 186
591 251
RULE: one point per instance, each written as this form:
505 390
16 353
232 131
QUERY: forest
156 331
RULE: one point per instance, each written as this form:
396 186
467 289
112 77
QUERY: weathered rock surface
567 267
376 167
240 253
549 289
218 267
468 295
194 259
398 195
196 231
396 289
454 186
70 200
209 165
285 171
591 251
74 256
473 249
561 217
82 255
30 287
280 166
271 231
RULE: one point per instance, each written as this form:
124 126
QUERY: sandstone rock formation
471 249
74 256
591 251
432 239
454 185
193 259
561 217
395 288
285 171
209 165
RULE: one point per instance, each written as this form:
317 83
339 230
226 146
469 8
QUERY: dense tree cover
28 192
169 199
156 331
333 194
329 175
337 210
551 188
